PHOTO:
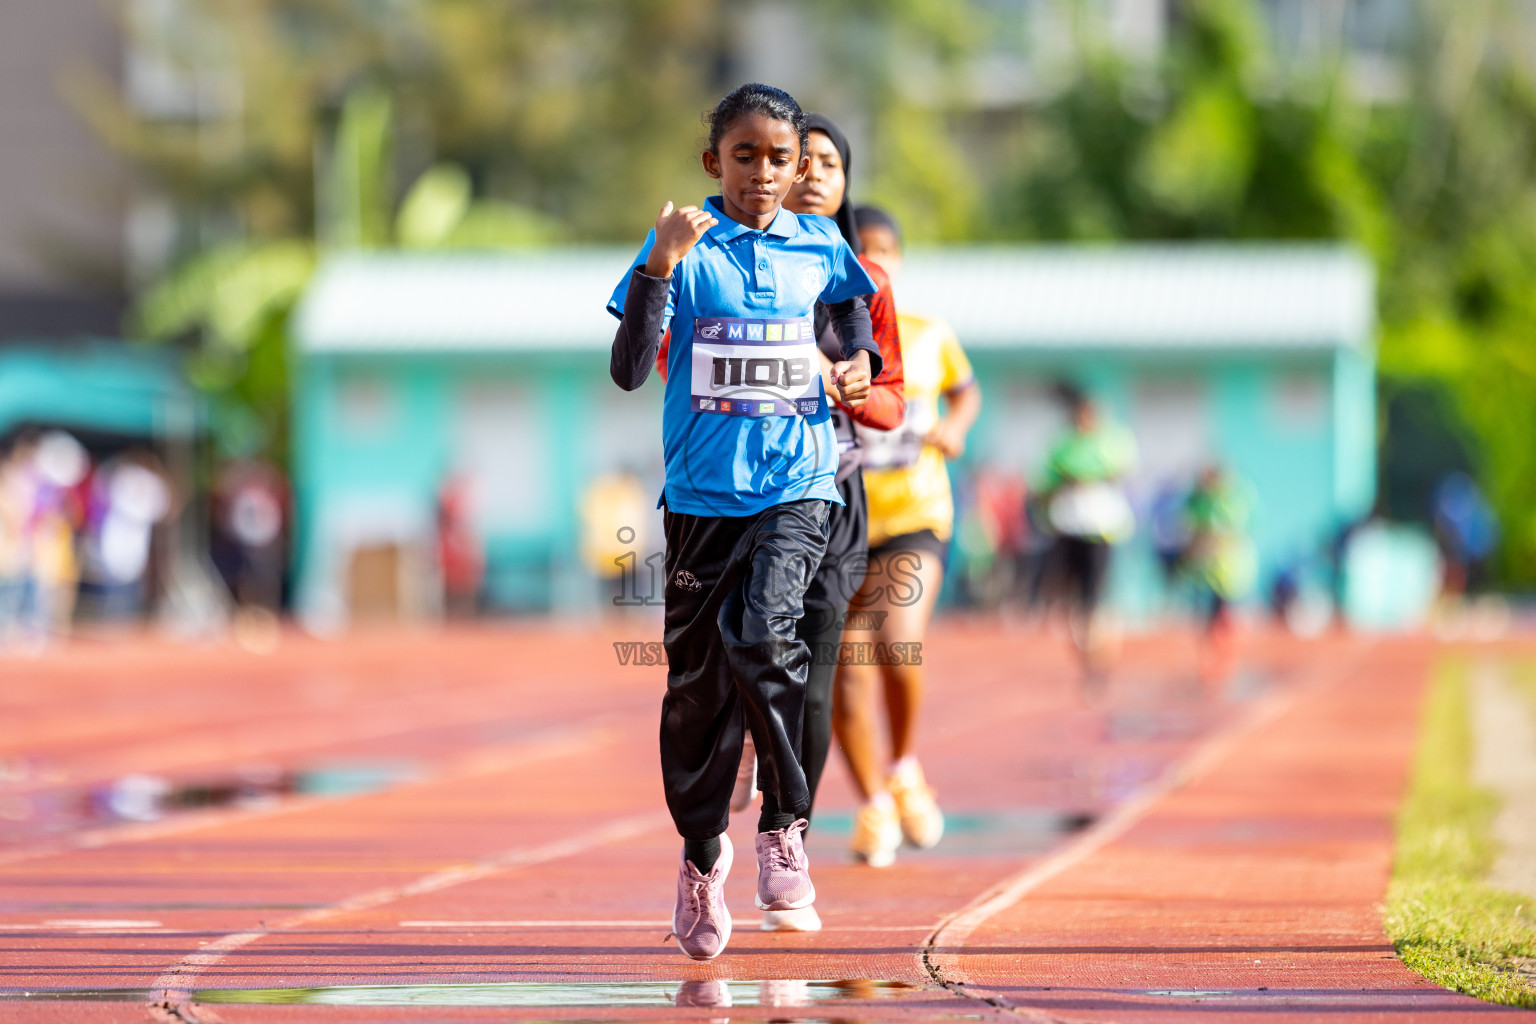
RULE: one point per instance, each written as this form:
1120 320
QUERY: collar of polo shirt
785 225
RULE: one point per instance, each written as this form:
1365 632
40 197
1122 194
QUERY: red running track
516 862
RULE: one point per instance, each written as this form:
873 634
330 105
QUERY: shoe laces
696 897
784 853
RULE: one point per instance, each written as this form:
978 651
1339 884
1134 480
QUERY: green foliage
572 109
1201 146
895 70
440 213
1217 141
360 185
236 298
1443 920
454 124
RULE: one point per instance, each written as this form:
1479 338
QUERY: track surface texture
471 829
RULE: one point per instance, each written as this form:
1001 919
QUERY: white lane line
173 990
472 925
80 924
551 743
956 928
536 924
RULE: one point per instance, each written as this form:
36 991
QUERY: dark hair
754 98
1071 395
875 217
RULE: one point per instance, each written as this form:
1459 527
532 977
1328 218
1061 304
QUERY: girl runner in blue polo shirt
751 460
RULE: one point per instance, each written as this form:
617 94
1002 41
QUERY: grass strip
1446 923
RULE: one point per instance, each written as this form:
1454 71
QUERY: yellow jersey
906 481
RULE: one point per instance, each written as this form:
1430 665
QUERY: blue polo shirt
745 423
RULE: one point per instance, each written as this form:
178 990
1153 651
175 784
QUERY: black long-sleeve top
638 337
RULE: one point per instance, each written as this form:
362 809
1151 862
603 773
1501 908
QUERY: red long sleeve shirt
886 405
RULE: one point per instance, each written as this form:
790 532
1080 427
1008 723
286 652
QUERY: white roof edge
1297 296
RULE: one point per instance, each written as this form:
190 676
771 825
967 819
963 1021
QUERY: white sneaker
876 835
784 992
803 920
746 777
921 820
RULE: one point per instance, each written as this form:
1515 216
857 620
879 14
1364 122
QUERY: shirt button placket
764 268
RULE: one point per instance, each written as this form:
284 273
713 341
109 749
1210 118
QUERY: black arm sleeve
638 338
851 319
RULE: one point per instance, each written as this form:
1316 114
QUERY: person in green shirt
1220 561
1088 513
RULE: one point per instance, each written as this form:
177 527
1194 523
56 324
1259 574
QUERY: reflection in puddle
142 798
777 992
1016 832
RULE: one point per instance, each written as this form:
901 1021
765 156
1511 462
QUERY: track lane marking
955 928
551 743
172 992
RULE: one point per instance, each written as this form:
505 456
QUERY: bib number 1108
775 373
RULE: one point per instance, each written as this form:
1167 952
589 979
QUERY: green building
491 371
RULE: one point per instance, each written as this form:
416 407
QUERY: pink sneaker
701 924
783 873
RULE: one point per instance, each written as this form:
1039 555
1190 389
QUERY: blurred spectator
1466 530
59 464
1169 526
1220 560
1088 513
614 515
250 502
129 496
991 537
250 511
16 487
459 552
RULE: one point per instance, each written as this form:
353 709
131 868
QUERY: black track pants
1084 564
837 580
734 599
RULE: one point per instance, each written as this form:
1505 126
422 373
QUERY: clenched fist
677 231
852 379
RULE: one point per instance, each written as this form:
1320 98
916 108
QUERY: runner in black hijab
844 215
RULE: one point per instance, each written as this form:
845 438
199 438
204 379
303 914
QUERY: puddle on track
142 798
772 993
1023 831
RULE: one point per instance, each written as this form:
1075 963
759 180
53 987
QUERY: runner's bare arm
948 435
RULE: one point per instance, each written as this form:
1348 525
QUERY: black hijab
844 214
